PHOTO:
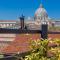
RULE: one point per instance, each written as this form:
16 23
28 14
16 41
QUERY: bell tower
22 22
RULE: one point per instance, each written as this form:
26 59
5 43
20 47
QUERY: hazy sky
12 9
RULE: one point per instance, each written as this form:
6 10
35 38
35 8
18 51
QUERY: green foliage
1 56
40 49
54 28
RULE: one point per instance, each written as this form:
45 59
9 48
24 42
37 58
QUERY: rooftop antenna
41 1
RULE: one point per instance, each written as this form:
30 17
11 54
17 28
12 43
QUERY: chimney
22 22
44 33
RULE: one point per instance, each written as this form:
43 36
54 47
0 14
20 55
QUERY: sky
13 9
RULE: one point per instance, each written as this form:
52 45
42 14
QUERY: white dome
41 12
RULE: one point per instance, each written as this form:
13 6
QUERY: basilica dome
41 13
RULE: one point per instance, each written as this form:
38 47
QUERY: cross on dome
41 5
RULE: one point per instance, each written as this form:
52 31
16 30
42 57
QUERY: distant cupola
41 13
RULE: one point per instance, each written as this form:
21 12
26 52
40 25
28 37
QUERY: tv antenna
41 1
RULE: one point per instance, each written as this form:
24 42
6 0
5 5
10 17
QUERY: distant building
40 16
8 24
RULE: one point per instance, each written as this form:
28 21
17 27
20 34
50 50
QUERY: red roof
7 20
21 42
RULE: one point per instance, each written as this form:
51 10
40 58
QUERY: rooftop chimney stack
44 33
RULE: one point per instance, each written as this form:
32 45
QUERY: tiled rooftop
21 42
7 20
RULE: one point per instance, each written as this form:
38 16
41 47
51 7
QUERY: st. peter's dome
41 13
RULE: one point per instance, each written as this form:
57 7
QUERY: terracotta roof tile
7 20
20 44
